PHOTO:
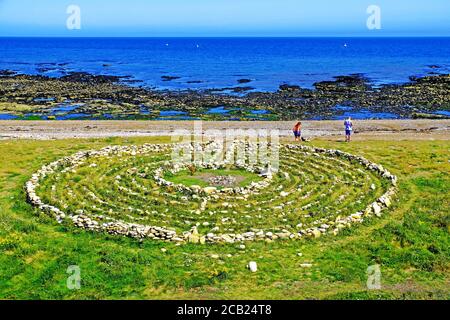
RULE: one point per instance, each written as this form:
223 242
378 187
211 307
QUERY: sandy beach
367 129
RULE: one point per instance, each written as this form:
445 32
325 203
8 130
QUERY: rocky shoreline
81 95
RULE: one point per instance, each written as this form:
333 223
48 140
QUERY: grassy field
187 178
411 243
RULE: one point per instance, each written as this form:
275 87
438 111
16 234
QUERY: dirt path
374 129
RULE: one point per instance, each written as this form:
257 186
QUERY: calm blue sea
221 62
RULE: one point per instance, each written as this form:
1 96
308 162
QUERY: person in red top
297 131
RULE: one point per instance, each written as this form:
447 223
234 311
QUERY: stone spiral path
121 190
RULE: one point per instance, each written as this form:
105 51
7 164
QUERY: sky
211 18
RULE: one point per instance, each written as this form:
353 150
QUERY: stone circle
121 190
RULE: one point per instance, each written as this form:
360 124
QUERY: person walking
348 129
297 131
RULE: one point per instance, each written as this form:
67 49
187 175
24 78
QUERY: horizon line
233 36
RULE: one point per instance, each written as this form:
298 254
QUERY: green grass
185 177
317 188
411 243
15 107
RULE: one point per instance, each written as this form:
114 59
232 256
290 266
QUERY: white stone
210 190
306 265
376 209
316 233
252 266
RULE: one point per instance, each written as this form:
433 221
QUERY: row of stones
325 227
118 227
113 226
287 229
322 224
195 189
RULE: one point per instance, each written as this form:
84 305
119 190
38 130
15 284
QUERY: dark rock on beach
7 73
242 89
89 78
194 81
287 87
97 95
354 82
230 89
169 78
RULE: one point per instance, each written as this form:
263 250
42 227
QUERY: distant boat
345 45
198 46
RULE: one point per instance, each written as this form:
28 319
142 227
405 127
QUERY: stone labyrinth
125 190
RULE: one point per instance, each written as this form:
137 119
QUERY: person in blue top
348 129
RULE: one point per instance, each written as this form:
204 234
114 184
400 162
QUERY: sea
208 63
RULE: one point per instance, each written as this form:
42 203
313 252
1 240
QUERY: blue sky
225 18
